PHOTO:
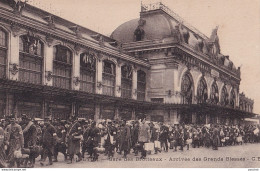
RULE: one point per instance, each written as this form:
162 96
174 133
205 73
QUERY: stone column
14 57
76 71
99 76
48 65
118 80
134 84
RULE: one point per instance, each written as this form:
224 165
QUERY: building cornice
43 28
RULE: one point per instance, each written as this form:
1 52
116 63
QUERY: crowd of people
24 140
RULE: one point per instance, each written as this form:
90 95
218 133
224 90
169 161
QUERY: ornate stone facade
56 68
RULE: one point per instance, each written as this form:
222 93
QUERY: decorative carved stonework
134 68
99 85
49 40
76 81
14 68
101 41
118 89
135 92
169 93
50 20
76 29
15 29
99 56
119 62
17 5
77 48
49 75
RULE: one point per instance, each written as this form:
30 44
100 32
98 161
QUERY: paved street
244 156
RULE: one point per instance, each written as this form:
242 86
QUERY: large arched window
62 67
224 96
87 72
233 99
3 53
30 59
126 81
141 85
108 78
187 89
202 91
214 94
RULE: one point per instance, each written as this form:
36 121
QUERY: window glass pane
3 36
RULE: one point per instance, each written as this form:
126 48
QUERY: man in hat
61 144
30 136
109 141
92 141
125 139
14 140
48 141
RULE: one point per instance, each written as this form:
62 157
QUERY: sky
238 21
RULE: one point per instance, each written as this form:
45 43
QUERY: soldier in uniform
125 139
15 141
92 141
30 137
109 142
73 139
48 141
61 145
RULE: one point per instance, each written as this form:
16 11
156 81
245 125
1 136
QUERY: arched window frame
187 88
141 85
108 77
224 96
214 94
233 99
31 54
62 67
202 91
126 81
3 52
88 72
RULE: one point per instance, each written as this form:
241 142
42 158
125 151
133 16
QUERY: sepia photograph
129 84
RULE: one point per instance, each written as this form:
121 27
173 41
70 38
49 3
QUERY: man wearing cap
48 141
73 139
14 140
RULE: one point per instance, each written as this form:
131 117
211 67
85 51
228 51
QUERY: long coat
49 138
144 133
30 135
74 132
125 139
15 138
